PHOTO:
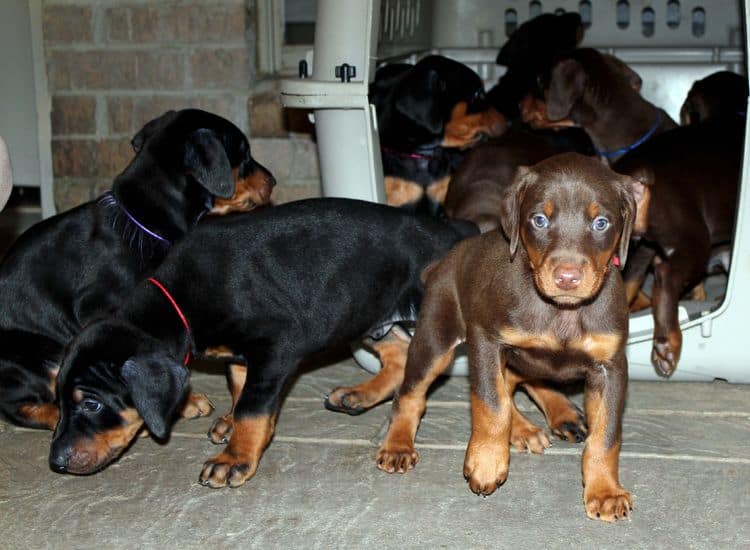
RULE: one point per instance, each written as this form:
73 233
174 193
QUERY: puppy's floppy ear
206 160
510 206
567 84
148 130
157 385
419 98
625 190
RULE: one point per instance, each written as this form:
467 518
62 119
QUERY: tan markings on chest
599 346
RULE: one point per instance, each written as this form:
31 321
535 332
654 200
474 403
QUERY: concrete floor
685 458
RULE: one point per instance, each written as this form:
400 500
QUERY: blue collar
627 148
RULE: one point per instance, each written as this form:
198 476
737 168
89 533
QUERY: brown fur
484 293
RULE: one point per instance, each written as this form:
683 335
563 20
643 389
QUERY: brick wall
112 65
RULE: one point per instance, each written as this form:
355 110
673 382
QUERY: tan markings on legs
524 434
222 428
399 192
92 453
42 415
196 405
603 496
699 293
641 300
356 399
239 461
397 453
563 418
438 189
488 453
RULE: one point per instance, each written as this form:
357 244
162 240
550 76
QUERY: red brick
117 24
67 24
90 158
73 115
120 115
147 108
91 70
220 68
210 23
145 24
159 70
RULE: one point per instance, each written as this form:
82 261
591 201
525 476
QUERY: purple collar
109 199
416 156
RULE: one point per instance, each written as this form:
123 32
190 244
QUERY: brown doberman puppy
600 93
552 308
687 198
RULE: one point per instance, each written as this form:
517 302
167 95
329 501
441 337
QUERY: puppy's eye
91 406
540 221
600 223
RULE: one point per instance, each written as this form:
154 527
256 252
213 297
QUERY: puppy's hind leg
392 351
430 353
221 429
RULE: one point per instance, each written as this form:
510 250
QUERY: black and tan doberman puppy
267 290
71 269
545 303
428 114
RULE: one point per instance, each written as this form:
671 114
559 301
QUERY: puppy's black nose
567 277
59 458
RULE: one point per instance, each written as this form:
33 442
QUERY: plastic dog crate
670 43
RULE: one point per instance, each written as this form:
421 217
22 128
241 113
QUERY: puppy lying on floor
80 265
267 290
546 303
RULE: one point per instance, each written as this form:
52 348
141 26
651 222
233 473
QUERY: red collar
181 315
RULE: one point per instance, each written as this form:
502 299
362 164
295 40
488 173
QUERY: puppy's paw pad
572 432
664 356
616 505
485 472
221 430
225 470
345 400
529 438
397 459
197 405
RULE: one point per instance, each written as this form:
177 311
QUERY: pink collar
181 315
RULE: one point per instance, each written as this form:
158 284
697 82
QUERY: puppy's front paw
485 469
225 469
196 405
222 429
608 503
397 458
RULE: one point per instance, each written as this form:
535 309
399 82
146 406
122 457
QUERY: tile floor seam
462 447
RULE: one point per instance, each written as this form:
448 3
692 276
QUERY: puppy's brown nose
567 277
